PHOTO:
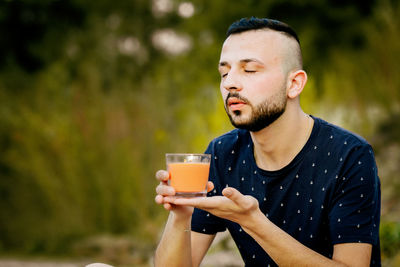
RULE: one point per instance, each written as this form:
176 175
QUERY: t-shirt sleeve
206 223
355 212
202 221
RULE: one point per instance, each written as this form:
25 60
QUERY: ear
296 82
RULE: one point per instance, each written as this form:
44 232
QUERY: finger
98 265
233 194
210 186
162 175
195 201
159 199
167 206
200 202
165 190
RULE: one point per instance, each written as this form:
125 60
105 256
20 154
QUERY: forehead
264 45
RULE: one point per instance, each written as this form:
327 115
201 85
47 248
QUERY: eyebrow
246 60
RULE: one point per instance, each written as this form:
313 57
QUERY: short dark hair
253 23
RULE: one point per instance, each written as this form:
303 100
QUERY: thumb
233 194
210 186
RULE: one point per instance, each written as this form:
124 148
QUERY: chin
239 122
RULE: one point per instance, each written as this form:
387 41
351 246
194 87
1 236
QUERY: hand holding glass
188 173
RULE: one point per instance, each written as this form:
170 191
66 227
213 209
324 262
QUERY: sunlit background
94 93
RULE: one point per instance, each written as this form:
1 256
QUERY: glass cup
188 173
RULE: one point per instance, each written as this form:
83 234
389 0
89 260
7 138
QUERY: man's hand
175 247
166 193
232 206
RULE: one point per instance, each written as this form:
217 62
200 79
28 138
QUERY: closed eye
249 71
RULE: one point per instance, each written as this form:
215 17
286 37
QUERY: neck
278 144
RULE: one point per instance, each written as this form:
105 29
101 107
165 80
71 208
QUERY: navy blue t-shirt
328 194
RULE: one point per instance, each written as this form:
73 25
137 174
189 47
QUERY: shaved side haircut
294 58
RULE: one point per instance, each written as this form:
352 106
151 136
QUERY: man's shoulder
338 134
230 140
231 136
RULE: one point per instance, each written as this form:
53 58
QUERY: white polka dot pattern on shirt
252 182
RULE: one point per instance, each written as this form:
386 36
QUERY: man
292 189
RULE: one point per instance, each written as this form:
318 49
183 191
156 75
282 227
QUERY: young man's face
253 78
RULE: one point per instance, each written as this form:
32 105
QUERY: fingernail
228 192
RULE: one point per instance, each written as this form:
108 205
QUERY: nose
231 82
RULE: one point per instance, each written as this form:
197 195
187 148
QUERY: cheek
264 91
258 89
223 91
269 85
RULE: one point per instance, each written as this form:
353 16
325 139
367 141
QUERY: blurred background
94 93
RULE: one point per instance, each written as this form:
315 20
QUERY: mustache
237 96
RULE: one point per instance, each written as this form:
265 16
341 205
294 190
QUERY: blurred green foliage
390 238
92 97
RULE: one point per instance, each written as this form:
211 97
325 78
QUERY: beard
261 115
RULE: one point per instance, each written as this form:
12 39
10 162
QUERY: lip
235 103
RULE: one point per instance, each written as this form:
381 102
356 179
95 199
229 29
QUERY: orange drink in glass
188 173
